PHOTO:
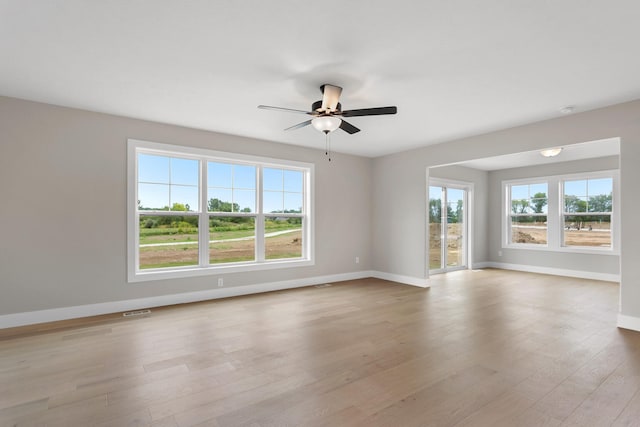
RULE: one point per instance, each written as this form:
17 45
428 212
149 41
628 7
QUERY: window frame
469 215
510 214
135 274
555 213
564 212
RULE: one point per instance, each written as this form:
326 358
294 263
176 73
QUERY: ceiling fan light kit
326 124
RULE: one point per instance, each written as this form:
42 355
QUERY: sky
453 195
581 188
527 192
163 181
588 188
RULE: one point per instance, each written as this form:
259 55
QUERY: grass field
172 235
174 247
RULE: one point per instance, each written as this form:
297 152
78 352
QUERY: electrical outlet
499 253
357 260
220 282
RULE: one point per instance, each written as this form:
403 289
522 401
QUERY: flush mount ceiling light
551 152
326 124
568 109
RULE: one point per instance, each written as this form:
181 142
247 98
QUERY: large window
528 217
167 206
564 213
231 204
283 195
588 204
195 212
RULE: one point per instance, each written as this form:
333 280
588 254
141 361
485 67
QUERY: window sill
564 249
148 275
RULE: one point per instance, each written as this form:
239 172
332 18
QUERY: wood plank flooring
480 348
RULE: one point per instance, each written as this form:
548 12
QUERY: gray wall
399 202
596 263
479 179
63 188
63 185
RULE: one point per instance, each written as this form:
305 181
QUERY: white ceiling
585 150
453 68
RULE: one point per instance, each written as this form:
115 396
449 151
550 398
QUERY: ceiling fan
328 115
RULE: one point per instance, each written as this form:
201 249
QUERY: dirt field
168 256
598 236
454 245
287 245
584 237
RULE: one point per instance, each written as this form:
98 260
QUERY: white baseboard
555 271
65 313
480 265
74 312
407 280
629 322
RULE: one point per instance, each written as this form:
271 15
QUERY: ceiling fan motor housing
317 106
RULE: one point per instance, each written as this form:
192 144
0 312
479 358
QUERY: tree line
535 205
453 215
573 204
601 203
214 205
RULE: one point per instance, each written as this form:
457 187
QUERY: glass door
447 228
436 194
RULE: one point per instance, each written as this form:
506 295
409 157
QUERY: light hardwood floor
480 348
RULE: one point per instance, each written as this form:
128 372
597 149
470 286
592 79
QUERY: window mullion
444 218
136 238
233 186
170 185
509 239
259 226
133 187
554 213
203 239
304 221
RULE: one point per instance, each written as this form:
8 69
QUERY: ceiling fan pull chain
326 144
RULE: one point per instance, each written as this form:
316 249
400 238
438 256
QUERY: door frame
468 223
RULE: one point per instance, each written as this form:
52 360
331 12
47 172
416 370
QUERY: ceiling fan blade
299 125
330 97
290 110
370 111
348 128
